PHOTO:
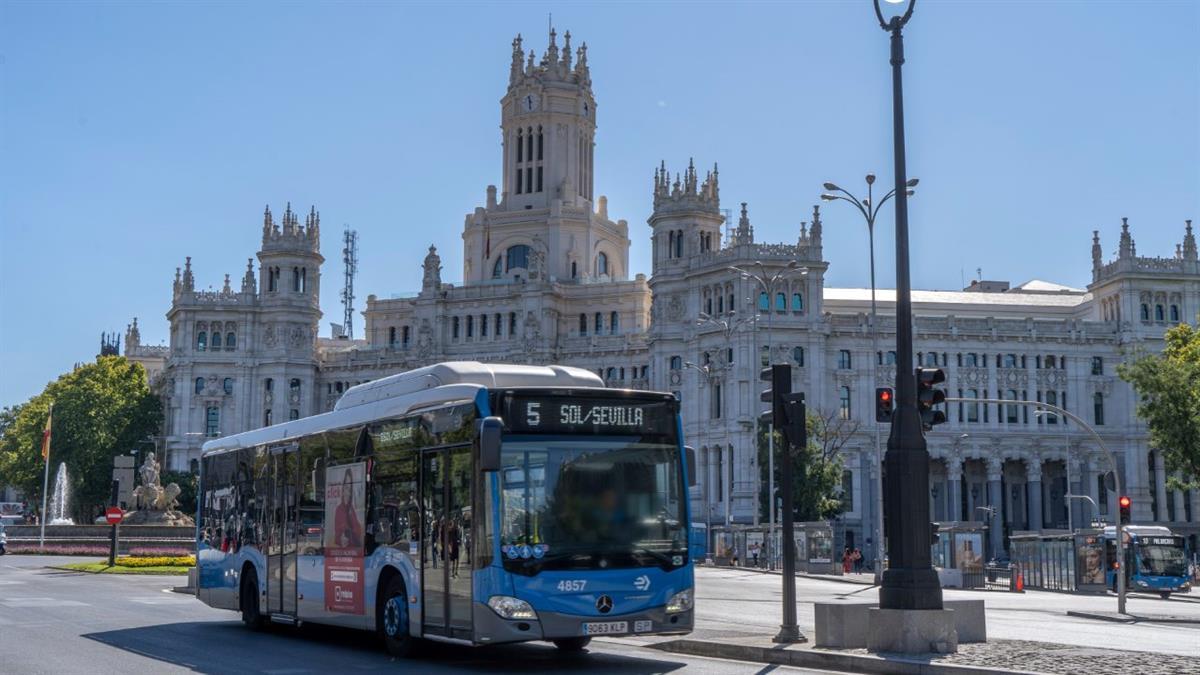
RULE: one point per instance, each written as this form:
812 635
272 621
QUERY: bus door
284 522
445 541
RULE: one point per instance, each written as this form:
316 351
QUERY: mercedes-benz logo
604 604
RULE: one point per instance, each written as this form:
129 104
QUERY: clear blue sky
134 134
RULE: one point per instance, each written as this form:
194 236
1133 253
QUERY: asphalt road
64 622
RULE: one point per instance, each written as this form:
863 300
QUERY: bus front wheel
1165 595
249 602
392 619
575 644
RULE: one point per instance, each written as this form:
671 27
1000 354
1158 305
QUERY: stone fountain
155 502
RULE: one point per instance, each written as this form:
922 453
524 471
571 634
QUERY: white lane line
18 603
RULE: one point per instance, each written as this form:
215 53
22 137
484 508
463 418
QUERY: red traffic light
885 395
1125 502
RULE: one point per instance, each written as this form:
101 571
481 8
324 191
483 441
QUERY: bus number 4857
571 585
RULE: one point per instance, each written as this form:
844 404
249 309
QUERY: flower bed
157 561
32 548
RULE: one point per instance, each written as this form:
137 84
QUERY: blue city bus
1154 560
462 502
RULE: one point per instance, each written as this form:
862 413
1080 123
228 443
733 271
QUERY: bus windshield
597 502
1161 560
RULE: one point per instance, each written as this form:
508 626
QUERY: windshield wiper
657 555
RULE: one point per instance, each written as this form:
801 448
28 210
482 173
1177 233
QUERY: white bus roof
1111 530
431 386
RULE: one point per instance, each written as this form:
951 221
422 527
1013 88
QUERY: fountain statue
60 499
155 502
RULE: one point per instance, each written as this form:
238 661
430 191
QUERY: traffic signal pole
1112 461
788 413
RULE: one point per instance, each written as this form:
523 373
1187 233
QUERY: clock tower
548 117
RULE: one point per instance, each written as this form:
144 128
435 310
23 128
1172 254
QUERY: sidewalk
861 579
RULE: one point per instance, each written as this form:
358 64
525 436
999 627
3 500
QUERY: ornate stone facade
546 279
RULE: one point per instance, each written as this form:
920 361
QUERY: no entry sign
113 514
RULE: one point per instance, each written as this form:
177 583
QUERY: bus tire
251 616
392 619
574 644
1165 595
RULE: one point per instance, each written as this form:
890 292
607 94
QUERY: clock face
529 102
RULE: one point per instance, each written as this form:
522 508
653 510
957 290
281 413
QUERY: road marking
156 600
17 603
10 582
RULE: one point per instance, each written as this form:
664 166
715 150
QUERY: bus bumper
492 629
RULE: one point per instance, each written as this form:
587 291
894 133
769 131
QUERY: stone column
995 469
710 485
1077 508
1180 513
1033 488
1160 487
954 467
1087 513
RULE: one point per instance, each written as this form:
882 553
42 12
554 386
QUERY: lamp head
828 197
830 186
894 19
912 182
870 179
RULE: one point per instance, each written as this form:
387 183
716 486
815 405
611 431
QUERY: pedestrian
846 561
754 547
735 555
858 561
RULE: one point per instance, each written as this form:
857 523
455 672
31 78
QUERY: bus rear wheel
391 620
249 600
575 644
1165 595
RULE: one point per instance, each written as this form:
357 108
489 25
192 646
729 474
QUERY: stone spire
814 232
552 51
744 234
268 223
566 54
178 286
133 337
1097 253
289 221
189 282
226 289
581 65
516 70
1189 243
248 281
686 191
1126 247
432 280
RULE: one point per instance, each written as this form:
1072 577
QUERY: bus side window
312 495
394 500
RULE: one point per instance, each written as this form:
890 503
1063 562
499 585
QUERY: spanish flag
46 435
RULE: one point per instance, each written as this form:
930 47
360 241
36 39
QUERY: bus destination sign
573 415
1161 541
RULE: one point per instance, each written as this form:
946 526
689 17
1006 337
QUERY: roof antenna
979 271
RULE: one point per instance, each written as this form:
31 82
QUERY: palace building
546 279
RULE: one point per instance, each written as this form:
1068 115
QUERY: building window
520 148
498 323
720 304
764 356
202 341
1145 312
970 360
716 402
972 408
454 328
391 336
780 302
708 306
470 326
797 356
602 264
1010 360
199 385
512 323
844 359
539 145
889 359
930 358
228 385
294 387
847 490
613 323
267 417
406 334
230 342
1159 316
212 421
268 384
539 180
599 323
574 270
293 414
844 407
216 340
583 324
516 257
764 302
729 303
483 325
1174 313
1098 408
676 363
797 302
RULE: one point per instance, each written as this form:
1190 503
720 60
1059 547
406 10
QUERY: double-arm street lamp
869 208
768 284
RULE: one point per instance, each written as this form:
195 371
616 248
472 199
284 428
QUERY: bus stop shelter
1061 561
958 553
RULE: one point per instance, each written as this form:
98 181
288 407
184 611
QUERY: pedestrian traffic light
885 402
928 396
1124 503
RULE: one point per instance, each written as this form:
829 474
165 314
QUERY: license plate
606 628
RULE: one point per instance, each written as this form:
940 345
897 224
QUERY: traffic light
787 413
885 402
934 537
928 396
1124 503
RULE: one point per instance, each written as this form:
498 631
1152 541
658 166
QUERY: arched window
1174 313
295 279
716 402
602 264
708 306
216 340
844 362
798 356
294 386
199 385
931 359
844 403
529 143
498 324
539 143
520 148
272 279
1050 362
293 414
676 363
1098 409
720 304
454 325
512 323
230 341
498 268
890 359
613 324
574 270
610 374
201 341
406 334
1158 313
780 302
516 257
1145 312
599 323
797 302
583 324
212 422
764 301
729 303
268 384
470 326
391 336
228 385
679 243
1010 360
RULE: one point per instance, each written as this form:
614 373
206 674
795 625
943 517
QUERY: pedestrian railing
997 578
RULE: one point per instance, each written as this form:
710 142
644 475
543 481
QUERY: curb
1131 618
825 660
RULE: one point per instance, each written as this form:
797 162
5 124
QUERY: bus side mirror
489 443
690 458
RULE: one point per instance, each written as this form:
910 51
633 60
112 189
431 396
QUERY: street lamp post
870 209
768 283
707 372
909 583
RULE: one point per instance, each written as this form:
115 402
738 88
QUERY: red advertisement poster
345 506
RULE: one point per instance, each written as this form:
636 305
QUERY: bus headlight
680 602
511 608
1142 583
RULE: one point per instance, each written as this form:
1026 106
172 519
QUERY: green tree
101 409
1168 386
816 469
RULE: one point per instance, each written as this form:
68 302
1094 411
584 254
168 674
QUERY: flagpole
45 476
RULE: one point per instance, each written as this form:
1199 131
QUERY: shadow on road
226 647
